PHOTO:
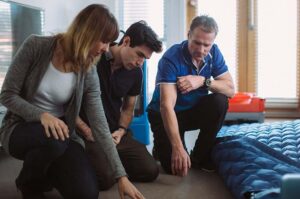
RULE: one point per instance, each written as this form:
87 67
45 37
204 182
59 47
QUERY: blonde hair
93 24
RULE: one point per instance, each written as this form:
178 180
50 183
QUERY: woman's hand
84 129
54 126
127 188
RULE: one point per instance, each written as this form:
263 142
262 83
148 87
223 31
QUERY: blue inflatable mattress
252 158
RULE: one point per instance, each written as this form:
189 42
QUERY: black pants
52 163
208 116
139 165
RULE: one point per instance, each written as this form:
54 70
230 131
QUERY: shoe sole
208 170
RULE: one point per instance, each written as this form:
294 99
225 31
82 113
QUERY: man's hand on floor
180 161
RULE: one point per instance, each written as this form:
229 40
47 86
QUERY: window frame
247 62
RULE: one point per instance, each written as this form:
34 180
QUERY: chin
96 59
128 67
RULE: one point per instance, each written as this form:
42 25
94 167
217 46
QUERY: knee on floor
145 173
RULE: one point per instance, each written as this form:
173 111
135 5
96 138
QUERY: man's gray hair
207 24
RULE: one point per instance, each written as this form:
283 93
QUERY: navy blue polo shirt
177 62
115 86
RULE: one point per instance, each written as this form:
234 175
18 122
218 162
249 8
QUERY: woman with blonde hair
48 79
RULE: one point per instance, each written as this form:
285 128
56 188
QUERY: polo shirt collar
186 54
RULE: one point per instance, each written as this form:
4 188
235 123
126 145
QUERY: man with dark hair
181 100
121 76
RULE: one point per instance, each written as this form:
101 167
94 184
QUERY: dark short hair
142 34
207 24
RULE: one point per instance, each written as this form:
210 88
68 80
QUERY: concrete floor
198 184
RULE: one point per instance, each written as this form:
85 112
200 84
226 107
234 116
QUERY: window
5 40
152 11
260 43
277 49
273 53
17 22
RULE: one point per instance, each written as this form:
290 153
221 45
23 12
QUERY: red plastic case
246 102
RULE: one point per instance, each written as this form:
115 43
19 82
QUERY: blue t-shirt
177 62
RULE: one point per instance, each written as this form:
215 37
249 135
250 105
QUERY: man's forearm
125 118
171 126
225 87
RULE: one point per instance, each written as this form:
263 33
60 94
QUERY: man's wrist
206 83
177 145
123 129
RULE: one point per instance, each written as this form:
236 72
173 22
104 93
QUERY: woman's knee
56 148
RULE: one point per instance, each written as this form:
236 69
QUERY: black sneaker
207 166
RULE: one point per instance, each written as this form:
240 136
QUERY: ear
126 41
189 34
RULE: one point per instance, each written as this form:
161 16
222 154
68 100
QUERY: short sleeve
218 65
167 72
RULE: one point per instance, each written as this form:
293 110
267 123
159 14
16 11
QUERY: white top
55 90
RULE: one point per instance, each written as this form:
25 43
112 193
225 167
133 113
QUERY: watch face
208 82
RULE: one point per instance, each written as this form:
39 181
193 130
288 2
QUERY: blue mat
283 137
252 158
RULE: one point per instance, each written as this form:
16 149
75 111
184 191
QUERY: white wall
60 13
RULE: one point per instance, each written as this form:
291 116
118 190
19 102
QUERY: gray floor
198 184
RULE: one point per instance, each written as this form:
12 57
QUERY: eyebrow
141 54
200 43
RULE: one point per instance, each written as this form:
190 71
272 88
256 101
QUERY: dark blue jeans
52 163
208 116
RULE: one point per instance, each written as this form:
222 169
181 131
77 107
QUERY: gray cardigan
21 82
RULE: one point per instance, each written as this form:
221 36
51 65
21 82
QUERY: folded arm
221 84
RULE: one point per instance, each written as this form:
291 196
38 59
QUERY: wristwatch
122 127
207 83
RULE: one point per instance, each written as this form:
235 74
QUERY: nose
202 49
105 47
140 62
